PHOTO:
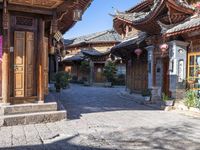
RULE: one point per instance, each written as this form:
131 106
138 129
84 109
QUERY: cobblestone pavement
100 120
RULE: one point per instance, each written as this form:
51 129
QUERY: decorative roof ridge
183 3
140 17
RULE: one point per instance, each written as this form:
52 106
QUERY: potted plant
191 98
191 81
85 69
61 80
109 72
167 100
146 94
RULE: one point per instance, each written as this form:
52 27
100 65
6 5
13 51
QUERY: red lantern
138 52
164 47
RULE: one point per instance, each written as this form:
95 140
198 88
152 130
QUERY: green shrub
191 99
146 92
110 71
119 80
165 97
61 80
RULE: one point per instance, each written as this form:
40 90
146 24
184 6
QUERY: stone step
28 108
33 118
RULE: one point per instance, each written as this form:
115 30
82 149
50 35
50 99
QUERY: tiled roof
77 57
140 16
189 24
95 52
105 36
135 39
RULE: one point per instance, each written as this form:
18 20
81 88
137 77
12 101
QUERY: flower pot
169 103
191 81
108 84
147 98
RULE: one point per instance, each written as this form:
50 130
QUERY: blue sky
97 18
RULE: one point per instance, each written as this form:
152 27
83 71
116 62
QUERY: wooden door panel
139 76
46 66
19 62
29 63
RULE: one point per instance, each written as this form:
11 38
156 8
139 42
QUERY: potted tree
61 80
167 100
146 94
109 72
85 69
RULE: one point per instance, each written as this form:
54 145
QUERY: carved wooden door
19 63
23 63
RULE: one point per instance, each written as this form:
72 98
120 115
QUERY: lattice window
24 21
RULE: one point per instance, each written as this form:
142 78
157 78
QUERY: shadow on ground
180 137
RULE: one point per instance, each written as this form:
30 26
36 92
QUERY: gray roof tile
105 36
187 24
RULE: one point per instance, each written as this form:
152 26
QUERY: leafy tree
85 67
110 71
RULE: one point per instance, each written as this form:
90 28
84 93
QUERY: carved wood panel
38 3
19 63
29 63
46 66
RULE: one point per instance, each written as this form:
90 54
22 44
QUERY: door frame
33 29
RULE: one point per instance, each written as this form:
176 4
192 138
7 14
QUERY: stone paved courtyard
100 119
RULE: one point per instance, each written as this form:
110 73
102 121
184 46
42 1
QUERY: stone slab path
101 120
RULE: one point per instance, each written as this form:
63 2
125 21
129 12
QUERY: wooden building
29 31
94 48
167 34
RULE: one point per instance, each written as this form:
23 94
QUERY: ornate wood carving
24 21
38 3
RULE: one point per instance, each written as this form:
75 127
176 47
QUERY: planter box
108 84
147 98
169 103
86 83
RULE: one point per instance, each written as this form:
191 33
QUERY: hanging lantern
77 16
138 52
164 47
63 53
52 50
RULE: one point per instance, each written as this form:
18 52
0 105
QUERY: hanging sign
1 48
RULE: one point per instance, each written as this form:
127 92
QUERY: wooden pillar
91 72
41 61
5 59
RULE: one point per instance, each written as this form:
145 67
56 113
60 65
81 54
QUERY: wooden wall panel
29 63
46 65
19 63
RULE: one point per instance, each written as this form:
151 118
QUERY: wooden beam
28 9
